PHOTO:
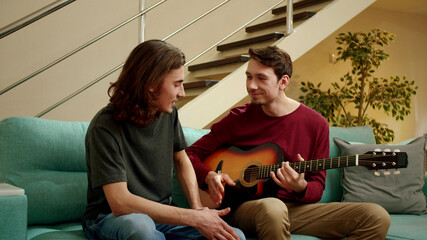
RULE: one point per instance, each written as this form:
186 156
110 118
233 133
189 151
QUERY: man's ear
284 81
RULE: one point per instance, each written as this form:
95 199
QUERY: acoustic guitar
250 168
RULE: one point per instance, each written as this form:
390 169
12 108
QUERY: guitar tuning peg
387 173
387 150
396 150
396 172
377 173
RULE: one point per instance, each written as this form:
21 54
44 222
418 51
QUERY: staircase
212 71
316 20
214 81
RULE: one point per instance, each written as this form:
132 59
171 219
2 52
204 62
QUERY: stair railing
289 17
78 49
195 20
27 20
121 65
232 33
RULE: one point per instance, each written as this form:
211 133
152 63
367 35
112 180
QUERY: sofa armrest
425 184
13 214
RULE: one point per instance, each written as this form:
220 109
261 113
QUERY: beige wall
407 57
50 38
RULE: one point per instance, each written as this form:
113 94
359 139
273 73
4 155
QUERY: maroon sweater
303 131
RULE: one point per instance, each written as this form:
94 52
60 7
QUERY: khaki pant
270 218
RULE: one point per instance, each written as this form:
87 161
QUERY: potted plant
345 104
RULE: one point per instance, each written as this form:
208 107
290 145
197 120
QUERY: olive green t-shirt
122 152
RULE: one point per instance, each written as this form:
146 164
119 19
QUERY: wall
407 57
50 38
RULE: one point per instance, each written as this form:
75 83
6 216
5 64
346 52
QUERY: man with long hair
132 146
300 133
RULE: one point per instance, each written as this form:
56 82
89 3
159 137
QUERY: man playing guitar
287 205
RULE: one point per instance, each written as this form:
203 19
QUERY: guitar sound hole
251 174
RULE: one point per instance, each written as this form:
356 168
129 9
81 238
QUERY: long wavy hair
144 69
275 58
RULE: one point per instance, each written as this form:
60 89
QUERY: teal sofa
46 158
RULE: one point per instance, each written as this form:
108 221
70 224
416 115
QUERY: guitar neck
314 165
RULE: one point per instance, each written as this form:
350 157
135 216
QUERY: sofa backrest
47 159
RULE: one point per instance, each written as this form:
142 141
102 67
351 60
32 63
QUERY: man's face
171 90
261 83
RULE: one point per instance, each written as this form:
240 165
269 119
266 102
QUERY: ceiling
418 7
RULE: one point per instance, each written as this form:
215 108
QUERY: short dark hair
144 69
275 58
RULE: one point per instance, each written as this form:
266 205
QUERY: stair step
298 5
249 41
280 21
238 59
200 84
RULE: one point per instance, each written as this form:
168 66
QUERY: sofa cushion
47 159
396 193
64 231
404 226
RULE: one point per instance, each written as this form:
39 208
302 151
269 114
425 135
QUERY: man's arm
187 179
205 220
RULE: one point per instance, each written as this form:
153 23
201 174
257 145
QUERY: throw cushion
396 193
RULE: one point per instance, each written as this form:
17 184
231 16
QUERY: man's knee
272 213
272 208
375 221
139 226
272 219
378 214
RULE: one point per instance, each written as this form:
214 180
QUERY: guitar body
243 167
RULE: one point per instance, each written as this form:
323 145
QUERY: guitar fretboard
313 165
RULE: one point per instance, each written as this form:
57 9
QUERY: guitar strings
335 162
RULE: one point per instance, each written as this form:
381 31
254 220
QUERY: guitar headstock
376 160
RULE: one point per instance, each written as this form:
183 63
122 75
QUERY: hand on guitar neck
287 177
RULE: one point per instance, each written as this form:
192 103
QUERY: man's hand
216 182
287 177
212 226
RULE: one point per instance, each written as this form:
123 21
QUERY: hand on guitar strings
286 177
216 183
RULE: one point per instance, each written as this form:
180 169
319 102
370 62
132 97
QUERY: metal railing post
289 17
142 22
